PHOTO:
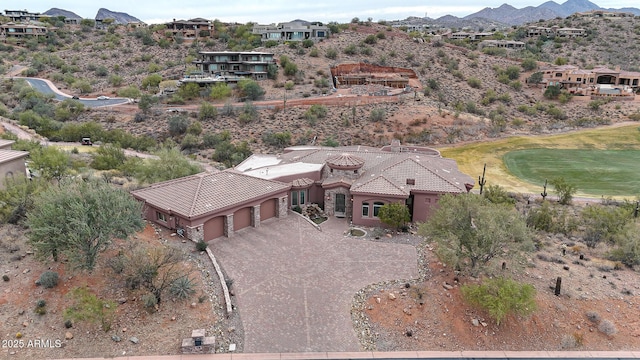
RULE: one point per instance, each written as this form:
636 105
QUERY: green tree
93 214
501 297
189 91
107 157
16 199
395 215
470 231
50 162
529 64
535 78
552 92
169 164
152 81
68 109
83 86
250 89
564 189
207 111
131 92
220 91
497 195
627 245
146 101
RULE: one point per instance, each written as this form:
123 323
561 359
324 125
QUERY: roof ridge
195 195
384 178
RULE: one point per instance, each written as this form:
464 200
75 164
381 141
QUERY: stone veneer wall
282 207
228 226
255 216
330 199
195 233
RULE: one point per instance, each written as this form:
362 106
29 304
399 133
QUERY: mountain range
508 14
118 17
502 16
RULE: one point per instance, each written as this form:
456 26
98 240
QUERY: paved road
46 87
295 285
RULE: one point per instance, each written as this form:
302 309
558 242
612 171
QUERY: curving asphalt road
47 88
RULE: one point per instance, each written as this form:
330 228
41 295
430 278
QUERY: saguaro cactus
544 191
481 180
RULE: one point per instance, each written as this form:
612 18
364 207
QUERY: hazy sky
274 11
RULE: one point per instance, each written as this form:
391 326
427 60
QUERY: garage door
214 228
241 219
268 209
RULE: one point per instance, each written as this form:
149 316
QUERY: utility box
198 343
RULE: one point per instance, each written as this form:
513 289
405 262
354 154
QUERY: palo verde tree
395 215
470 231
564 189
79 219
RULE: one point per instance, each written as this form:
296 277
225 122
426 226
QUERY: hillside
461 96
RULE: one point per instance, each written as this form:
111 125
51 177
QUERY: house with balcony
506 44
230 66
189 30
351 182
599 81
297 30
21 32
22 15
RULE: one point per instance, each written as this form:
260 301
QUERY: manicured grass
472 157
597 172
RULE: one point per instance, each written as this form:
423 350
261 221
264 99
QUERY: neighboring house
189 29
352 182
602 14
535 31
292 31
590 81
507 44
230 66
463 35
12 162
21 31
22 15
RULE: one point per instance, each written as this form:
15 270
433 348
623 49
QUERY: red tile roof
203 193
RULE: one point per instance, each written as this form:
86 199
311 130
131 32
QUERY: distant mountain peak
118 17
61 12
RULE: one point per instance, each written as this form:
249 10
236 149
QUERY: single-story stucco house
12 162
352 182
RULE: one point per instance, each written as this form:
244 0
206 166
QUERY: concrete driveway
295 284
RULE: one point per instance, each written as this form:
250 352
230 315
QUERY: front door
340 205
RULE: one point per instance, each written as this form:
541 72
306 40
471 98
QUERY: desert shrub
313 52
182 288
529 64
178 125
331 53
280 139
41 303
201 246
371 39
497 195
607 327
500 297
593 316
474 82
603 223
220 91
627 250
564 189
351 49
377 115
149 300
49 279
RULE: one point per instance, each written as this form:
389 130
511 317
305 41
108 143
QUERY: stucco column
228 226
194 233
282 206
255 216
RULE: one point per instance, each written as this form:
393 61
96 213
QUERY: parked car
102 97
86 141
75 97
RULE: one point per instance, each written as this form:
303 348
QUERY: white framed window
298 197
365 209
376 208
160 216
